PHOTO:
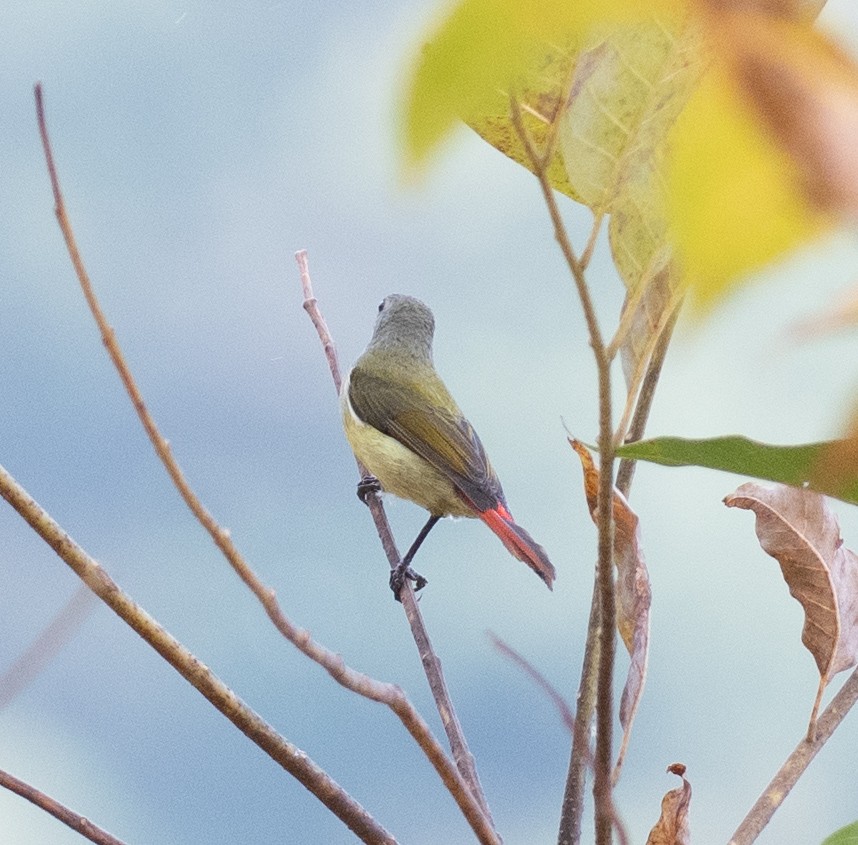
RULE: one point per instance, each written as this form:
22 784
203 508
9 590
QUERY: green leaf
795 465
845 836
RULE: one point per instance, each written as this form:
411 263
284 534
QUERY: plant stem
626 470
794 766
602 788
572 809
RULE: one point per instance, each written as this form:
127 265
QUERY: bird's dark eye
381 306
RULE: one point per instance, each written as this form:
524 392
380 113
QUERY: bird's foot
400 574
368 485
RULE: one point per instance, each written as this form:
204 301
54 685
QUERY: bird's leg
366 486
399 573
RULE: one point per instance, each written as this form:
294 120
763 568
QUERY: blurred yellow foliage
713 135
734 198
486 46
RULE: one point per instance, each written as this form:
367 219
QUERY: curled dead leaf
634 595
672 827
799 530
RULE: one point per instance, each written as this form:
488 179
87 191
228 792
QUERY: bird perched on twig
408 431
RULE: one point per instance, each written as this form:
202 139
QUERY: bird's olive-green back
406 400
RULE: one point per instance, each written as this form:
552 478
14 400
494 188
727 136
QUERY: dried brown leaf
634 595
798 529
672 826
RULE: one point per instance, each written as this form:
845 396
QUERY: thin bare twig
431 664
605 569
291 758
590 247
571 811
645 368
538 678
572 808
794 766
68 817
653 274
549 142
357 682
597 672
626 470
32 661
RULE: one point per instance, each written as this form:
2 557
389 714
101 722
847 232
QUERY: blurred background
200 144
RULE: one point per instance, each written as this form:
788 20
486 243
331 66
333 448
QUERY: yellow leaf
626 93
486 46
734 198
542 93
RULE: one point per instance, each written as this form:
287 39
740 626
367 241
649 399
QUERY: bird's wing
444 439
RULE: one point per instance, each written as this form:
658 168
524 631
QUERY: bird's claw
368 485
400 574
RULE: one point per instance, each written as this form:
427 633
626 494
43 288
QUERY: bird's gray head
404 325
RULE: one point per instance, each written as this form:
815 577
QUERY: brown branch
287 755
572 808
68 817
573 797
431 664
590 246
648 366
357 682
602 788
794 766
626 470
32 661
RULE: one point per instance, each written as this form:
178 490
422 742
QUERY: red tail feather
519 543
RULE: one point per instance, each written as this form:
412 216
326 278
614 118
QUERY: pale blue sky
200 144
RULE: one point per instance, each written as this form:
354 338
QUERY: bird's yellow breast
400 471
